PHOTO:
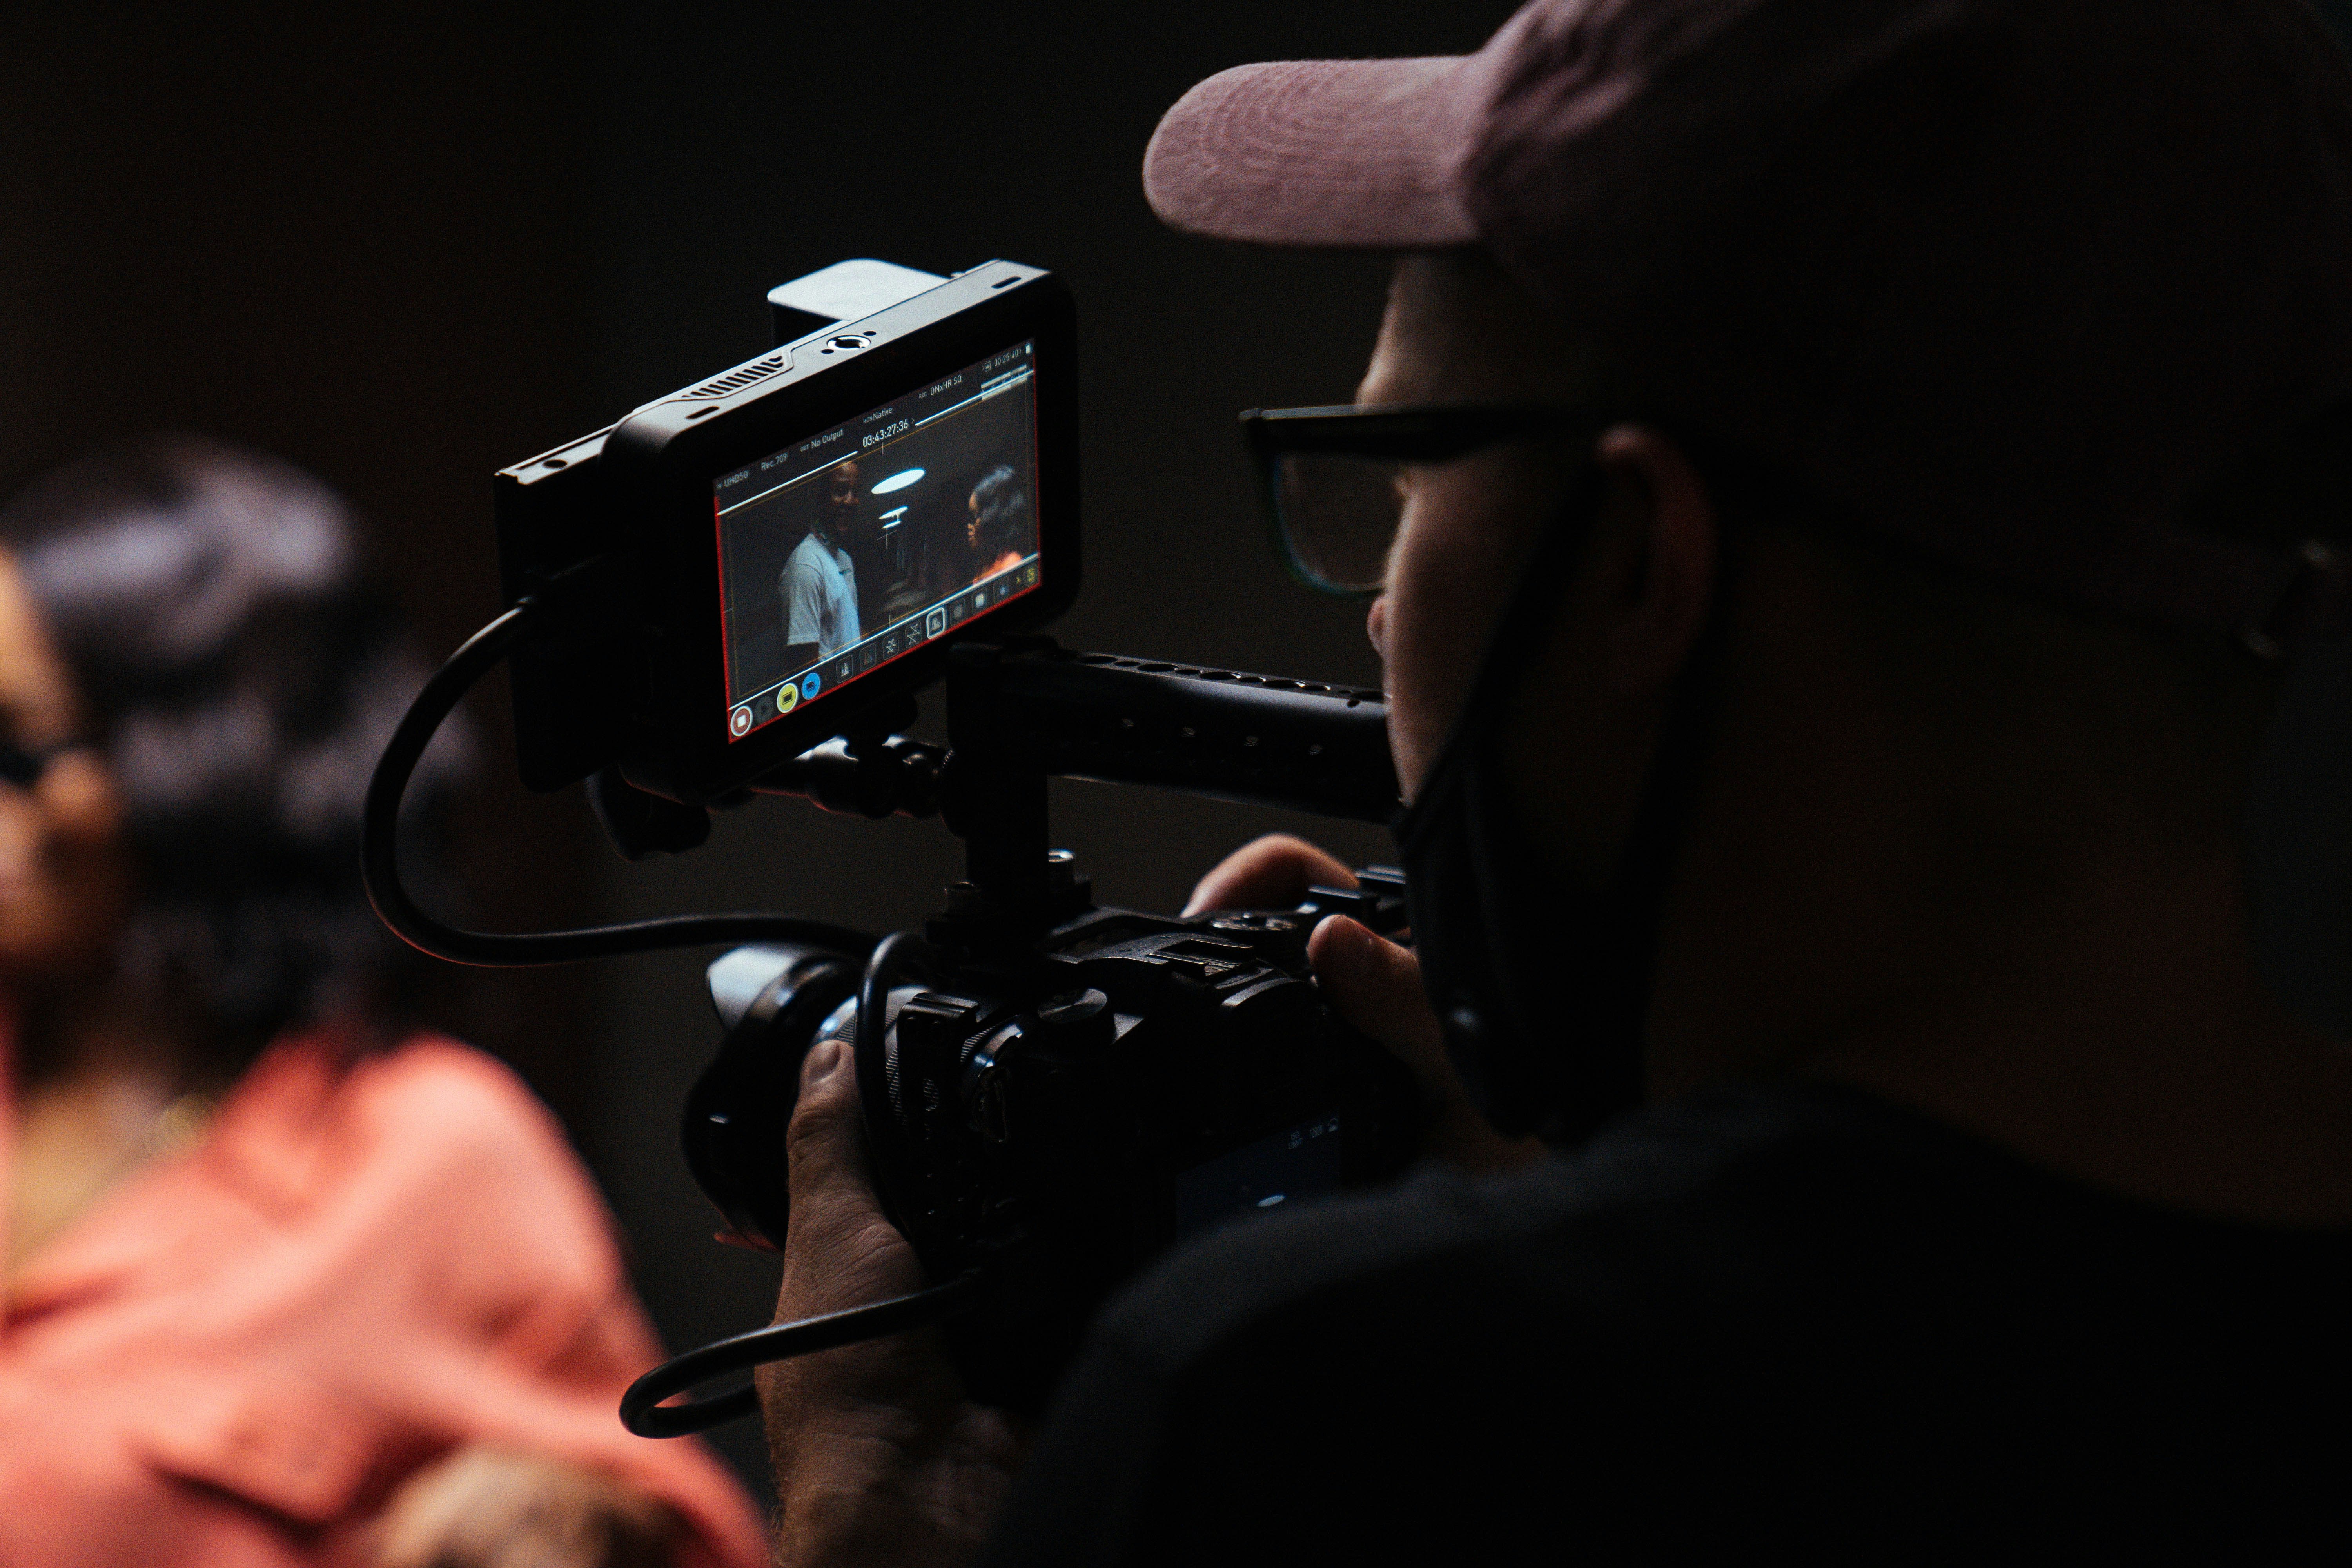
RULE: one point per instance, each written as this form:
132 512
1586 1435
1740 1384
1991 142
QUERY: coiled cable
643 1412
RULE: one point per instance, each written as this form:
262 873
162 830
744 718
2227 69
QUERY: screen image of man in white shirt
820 581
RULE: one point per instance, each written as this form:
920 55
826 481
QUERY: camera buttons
740 721
811 684
936 622
788 697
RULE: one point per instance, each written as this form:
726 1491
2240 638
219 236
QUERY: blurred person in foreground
1863 469
289 1282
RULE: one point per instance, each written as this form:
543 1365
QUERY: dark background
407 246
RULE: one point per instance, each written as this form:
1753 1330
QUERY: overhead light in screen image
897 481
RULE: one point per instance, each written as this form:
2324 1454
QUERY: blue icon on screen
811 684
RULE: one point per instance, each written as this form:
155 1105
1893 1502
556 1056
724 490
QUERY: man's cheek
1421 651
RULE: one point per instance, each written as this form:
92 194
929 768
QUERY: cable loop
380 861
643 1412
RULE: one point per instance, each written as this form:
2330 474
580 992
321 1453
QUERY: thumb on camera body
839 1249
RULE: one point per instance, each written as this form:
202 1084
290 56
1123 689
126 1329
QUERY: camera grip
1257 740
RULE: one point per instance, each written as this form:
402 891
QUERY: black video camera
737 590
1052 1119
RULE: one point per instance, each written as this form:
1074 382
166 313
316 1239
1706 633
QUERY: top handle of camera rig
1019 713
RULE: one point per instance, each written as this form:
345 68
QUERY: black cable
643 1412
380 865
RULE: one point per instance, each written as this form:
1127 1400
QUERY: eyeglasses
1335 478
22 765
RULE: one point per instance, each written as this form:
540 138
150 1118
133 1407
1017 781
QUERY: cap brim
1320 152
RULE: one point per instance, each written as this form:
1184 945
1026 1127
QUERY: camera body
1054 1115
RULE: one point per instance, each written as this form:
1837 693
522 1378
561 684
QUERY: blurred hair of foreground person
286 1282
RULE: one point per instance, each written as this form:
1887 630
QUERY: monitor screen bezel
672 455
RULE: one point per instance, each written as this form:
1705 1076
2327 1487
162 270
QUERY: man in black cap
1863 466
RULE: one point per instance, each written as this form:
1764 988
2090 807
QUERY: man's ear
1661 531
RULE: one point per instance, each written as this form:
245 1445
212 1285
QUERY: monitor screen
856 546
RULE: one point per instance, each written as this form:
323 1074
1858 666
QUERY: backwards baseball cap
2016 280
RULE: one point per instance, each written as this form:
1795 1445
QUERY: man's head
2012 281
1875 703
1925 327
840 516
1459 331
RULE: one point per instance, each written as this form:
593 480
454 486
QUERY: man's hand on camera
879 1454
1372 982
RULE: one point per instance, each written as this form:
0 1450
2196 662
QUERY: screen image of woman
289 1281
1002 534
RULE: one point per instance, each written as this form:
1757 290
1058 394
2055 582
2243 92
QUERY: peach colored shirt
236 1356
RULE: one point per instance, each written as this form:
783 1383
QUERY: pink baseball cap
2017 281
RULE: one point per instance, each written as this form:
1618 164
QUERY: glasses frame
1403 433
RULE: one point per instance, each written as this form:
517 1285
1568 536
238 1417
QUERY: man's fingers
825 1148
1270 873
1375 985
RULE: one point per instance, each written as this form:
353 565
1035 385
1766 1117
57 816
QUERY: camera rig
1053 1093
